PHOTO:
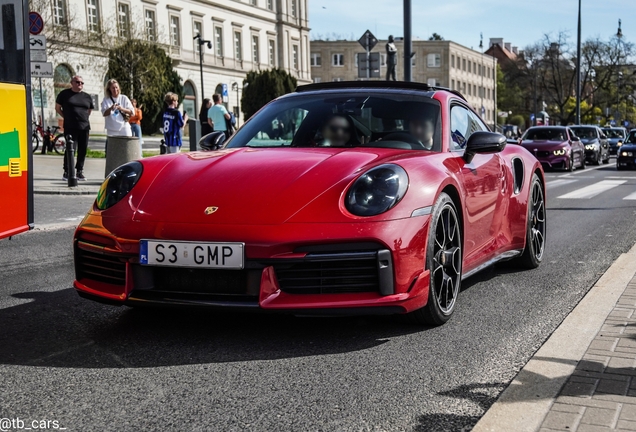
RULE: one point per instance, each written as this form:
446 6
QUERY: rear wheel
35 142
535 226
59 144
444 261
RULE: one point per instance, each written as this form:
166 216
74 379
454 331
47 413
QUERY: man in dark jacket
75 107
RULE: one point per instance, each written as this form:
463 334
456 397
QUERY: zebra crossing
588 191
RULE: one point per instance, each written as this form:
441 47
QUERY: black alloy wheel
535 227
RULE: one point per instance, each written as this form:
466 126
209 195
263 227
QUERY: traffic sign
42 69
368 41
37 43
38 56
36 23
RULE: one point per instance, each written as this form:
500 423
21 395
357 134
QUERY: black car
615 137
626 156
595 142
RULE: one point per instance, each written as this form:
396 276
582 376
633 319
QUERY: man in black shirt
75 107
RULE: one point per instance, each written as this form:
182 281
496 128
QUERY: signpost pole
41 105
368 56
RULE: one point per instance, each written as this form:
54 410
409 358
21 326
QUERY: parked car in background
595 142
615 137
555 147
626 156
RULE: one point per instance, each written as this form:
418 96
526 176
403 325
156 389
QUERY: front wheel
35 142
444 262
571 164
59 144
582 162
535 226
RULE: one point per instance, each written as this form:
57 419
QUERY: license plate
195 255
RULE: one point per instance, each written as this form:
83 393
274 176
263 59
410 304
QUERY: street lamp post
619 35
202 42
408 39
578 69
482 90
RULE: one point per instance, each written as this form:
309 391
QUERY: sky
521 23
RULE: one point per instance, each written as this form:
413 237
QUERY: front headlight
560 152
627 154
620 143
377 190
118 184
590 147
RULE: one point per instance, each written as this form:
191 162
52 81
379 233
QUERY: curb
524 404
78 190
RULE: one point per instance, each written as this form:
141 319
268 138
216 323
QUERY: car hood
590 141
542 145
615 141
248 185
628 147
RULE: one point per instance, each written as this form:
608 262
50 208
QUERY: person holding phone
116 109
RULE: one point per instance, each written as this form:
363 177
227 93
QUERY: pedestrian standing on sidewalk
135 121
75 107
217 114
117 109
203 117
173 123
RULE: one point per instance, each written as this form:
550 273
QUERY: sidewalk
584 376
47 176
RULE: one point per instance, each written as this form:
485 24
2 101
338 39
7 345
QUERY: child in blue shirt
173 123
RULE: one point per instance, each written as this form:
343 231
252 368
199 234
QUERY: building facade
244 35
440 63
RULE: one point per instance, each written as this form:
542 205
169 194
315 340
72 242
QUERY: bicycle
56 142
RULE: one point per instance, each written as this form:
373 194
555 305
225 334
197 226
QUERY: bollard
121 150
46 140
163 148
69 154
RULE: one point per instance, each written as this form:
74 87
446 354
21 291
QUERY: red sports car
373 198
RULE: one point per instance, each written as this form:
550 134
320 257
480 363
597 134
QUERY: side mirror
575 138
484 142
212 141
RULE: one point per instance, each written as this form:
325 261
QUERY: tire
444 260
35 142
59 144
598 159
535 227
571 164
582 162
606 161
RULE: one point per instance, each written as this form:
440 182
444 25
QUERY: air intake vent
101 268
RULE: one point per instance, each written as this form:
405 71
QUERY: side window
463 124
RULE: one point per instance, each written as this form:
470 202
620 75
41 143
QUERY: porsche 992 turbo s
380 200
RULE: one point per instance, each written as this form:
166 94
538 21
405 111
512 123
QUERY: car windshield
545 134
345 119
631 138
614 133
584 132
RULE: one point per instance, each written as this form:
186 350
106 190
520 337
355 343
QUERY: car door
578 150
482 179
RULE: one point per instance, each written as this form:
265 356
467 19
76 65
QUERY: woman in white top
114 106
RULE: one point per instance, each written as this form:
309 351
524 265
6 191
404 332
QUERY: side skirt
502 257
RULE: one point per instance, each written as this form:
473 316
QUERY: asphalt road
95 367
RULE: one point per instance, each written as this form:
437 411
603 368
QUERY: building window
295 56
337 60
92 13
464 65
123 20
470 64
218 41
453 84
253 2
272 52
59 12
175 31
452 61
337 79
317 79
270 4
434 60
488 69
316 60
256 58
149 18
293 8
197 29
238 52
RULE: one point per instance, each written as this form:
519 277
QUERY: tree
145 72
435 37
264 86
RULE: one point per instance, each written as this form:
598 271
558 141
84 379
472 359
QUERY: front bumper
626 162
319 277
553 162
593 155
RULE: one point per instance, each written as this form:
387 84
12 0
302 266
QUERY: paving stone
600 417
627 342
579 389
612 387
604 344
612 354
595 402
568 408
624 425
628 412
621 363
593 428
615 398
562 420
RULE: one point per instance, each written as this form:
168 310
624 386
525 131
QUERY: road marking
622 178
631 196
555 183
593 190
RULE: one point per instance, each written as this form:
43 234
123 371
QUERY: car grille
200 281
542 153
100 267
353 273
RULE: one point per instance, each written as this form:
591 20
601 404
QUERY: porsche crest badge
210 210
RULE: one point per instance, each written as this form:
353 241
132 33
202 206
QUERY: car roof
386 85
548 127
